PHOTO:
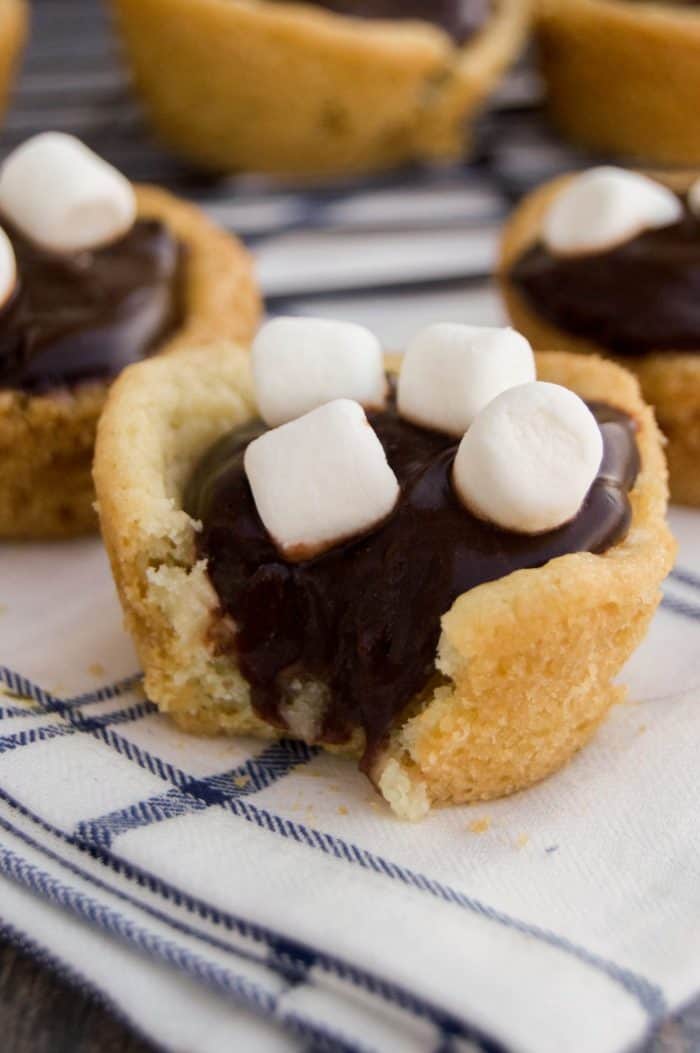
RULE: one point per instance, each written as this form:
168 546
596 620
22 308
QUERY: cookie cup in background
624 78
47 439
525 665
14 19
294 88
670 381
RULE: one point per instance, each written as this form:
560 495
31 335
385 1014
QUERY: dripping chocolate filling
87 315
638 297
363 619
460 18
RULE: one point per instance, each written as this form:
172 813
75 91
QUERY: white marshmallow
320 479
605 207
529 458
301 363
8 268
450 372
63 196
694 198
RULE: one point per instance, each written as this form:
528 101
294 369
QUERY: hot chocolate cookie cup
47 439
14 17
362 95
670 381
525 664
624 77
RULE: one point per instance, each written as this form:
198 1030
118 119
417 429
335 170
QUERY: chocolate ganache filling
364 617
87 315
460 18
641 296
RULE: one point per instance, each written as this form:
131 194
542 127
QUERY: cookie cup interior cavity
670 380
47 440
290 87
624 77
524 664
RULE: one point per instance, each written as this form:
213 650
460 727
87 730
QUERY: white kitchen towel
220 892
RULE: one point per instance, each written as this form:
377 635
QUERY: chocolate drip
460 18
90 314
364 618
641 296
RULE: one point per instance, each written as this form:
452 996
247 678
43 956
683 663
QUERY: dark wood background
41 1014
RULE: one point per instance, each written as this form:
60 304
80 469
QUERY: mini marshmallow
450 372
302 363
605 207
64 197
529 459
8 268
694 198
320 479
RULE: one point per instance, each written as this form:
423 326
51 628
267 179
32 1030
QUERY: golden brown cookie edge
46 441
670 381
623 78
14 26
365 96
500 642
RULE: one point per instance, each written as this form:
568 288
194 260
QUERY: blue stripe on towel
195 794
216 791
683 608
282 955
241 989
685 577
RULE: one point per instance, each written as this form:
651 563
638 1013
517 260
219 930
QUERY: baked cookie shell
670 380
14 20
250 84
624 77
524 665
47 440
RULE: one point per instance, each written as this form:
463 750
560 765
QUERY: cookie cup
293 88
525 665
14 19
47 440
624 77
670 381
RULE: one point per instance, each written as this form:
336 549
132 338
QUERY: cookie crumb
642 728
522 841
96 669
241 780
480 826
342 810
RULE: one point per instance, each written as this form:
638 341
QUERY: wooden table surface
41 1014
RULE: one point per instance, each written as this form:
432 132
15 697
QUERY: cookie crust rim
670 379
46 439
150 541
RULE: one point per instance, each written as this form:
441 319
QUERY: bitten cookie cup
47 440
289 87
524 667
670 381
624 77
14 18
